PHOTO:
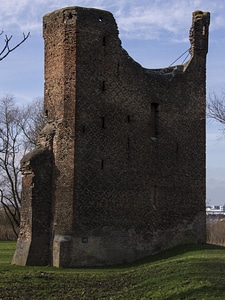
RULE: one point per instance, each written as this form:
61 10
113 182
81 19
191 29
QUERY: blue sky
154 32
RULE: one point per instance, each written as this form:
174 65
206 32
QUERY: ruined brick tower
119 171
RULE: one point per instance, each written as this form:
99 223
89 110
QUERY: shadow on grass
7 248
167 254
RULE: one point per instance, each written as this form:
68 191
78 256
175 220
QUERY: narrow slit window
177 152
154 119
103 122
103 86
118 69
154 194
128 148
104 41
102 164
128 119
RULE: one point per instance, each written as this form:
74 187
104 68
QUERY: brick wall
129 146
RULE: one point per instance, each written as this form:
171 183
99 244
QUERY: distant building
215 209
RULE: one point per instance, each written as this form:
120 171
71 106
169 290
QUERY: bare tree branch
216 108
32 121
7 49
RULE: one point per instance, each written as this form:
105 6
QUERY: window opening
118 69
154 119
128 118
103 122
128 147
102 164
103 86
154 194
177 151
104 41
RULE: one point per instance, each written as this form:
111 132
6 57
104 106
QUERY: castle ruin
119 170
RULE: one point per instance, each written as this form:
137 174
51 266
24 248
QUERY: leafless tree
32 120
19 127
7 48
216 107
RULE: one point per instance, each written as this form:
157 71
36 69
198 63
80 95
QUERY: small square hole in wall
84 240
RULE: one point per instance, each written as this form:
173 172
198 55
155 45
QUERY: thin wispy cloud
152 19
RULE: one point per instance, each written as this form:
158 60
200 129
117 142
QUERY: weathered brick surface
128 175
33 244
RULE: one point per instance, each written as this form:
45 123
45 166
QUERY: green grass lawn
190 272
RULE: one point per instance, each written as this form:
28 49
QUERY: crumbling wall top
199 33
201 14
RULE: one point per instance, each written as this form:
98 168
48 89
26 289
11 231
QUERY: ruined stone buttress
119 170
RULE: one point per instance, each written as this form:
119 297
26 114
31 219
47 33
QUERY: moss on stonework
199 12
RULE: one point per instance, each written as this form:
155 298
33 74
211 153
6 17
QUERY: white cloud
26 15
143 19
152 19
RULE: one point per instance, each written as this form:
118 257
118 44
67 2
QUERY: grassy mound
190 272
